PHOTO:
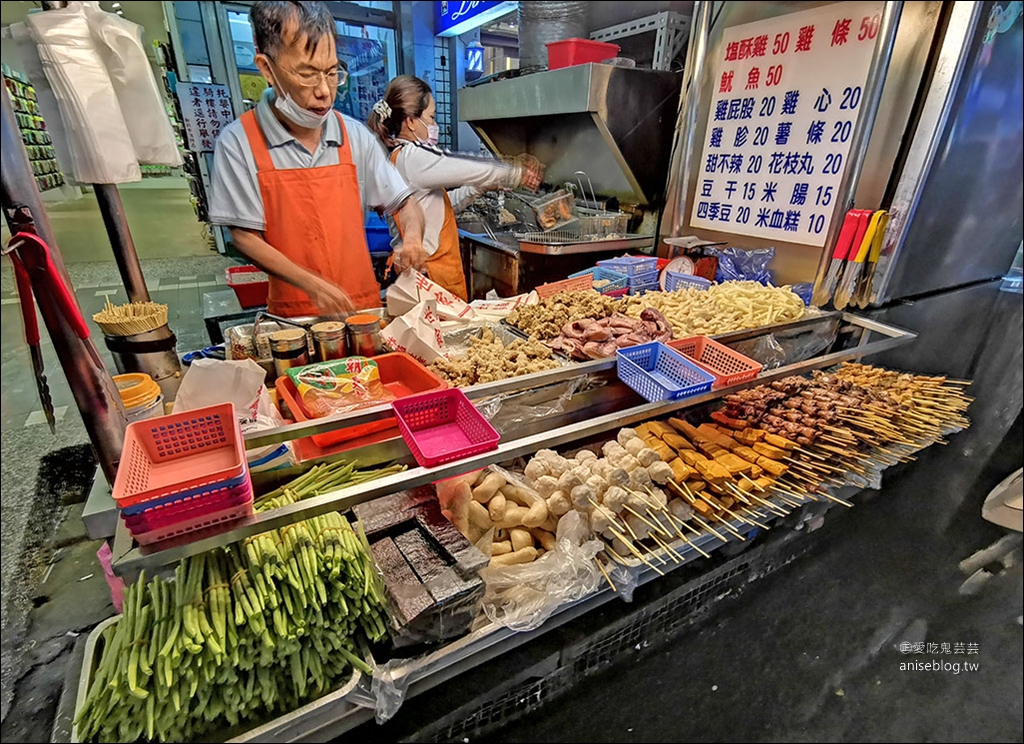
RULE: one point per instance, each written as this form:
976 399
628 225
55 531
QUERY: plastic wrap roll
543 22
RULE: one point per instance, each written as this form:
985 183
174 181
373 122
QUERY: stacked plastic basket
182 473
641 272
617 284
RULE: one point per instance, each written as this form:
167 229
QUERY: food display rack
580 423
602 410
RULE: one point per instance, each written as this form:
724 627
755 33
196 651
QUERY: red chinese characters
726 85
755 46
841 31
804 39
753 78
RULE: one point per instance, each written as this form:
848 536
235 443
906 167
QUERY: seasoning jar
329 338
141 396
289 348
364 335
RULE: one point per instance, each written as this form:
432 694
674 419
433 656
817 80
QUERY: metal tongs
263 315
36 274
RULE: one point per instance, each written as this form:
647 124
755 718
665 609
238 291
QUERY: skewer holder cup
154 353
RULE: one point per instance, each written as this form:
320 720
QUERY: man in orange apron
291 178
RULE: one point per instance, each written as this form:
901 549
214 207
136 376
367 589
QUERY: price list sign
206 110
787 95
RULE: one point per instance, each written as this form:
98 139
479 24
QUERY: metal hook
593 195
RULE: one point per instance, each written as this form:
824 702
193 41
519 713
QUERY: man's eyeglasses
335 76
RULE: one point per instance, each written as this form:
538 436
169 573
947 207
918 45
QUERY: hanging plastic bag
119 43
211 381
98 138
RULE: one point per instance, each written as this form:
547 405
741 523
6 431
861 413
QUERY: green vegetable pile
242 633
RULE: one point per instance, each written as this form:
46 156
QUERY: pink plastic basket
729 367
181 452
443 427
242 508
199 506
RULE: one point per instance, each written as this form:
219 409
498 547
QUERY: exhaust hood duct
613 123
543 22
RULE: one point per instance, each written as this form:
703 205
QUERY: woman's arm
425 169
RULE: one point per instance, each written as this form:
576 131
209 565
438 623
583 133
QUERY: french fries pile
723 308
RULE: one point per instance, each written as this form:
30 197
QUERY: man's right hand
331 300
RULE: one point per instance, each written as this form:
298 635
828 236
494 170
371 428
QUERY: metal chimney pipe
541 22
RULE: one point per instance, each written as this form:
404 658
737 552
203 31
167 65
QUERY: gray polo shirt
235 199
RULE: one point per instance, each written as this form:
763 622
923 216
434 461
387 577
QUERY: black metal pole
95 394
116 222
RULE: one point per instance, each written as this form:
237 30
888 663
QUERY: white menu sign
788 93
206 110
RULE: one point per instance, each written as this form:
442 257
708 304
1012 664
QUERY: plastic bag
740 264
523 597
340 386
385 690
98 138
788 346
211 381
119 42
510 410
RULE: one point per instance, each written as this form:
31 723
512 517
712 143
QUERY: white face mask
297 115
433 132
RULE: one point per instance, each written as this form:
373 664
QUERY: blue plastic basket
658 373
616 280
630 265
674 280
640 289
642 280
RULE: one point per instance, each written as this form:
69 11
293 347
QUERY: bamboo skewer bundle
130 319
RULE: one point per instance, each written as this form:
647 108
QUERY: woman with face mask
444 183
292 178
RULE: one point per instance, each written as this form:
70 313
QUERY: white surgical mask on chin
297 115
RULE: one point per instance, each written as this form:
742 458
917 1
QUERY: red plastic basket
443 427
569 52
250 290
242 508
574 284
400 373
180 452
728 367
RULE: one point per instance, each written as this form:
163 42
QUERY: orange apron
445 266
314 216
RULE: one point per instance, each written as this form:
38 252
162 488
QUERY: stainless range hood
613 123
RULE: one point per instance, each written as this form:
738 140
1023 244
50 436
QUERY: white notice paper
206 110
788 94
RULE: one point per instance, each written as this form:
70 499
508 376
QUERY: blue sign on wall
454 18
